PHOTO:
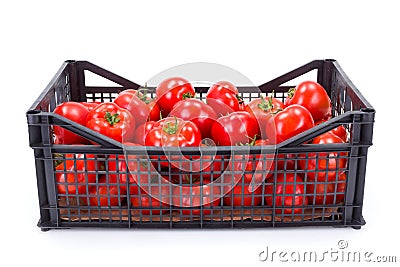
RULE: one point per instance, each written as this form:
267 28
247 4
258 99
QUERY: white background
258 39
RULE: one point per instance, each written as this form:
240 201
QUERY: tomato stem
239 98
171 129
291 92
112 119
57 159
187 95
142 94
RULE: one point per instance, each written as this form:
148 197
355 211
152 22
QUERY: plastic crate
349 108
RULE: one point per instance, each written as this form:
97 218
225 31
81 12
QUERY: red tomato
76 172
196 196
290 122
327 193
142 131
90 105
171 91
150 200
129 100
198 112
173 131
313 97
262 109
233 129
243 195
288 192
224 98
106 193
155 110
112 121
329 164
339 131
75 112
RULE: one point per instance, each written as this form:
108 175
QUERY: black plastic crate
73 209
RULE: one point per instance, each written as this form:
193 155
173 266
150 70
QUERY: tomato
106 193
339 131
233 129
155 110
172 90
151 199
173 131
75 112
130 101
329 164
243 195
313 97
196 196
142 131
112 121
263 109
198 112
224 98
76 172
288 192
289 122
323 193
90 105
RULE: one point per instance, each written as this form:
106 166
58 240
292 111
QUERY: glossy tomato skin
155 110
71 172
173 131
182 133
190 196
263 109
313 97
288 192
330 164
171 91
107 193
90 105
113 121
339 131
243 195
289 122
129 100
73 111
224 98
198 112
327 193
234 129
141 132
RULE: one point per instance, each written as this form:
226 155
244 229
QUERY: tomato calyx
240 99
142 94
112 119
58 159
252 141
171 129
265 105
291 92
187 95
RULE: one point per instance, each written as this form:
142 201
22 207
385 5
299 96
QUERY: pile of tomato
176 118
